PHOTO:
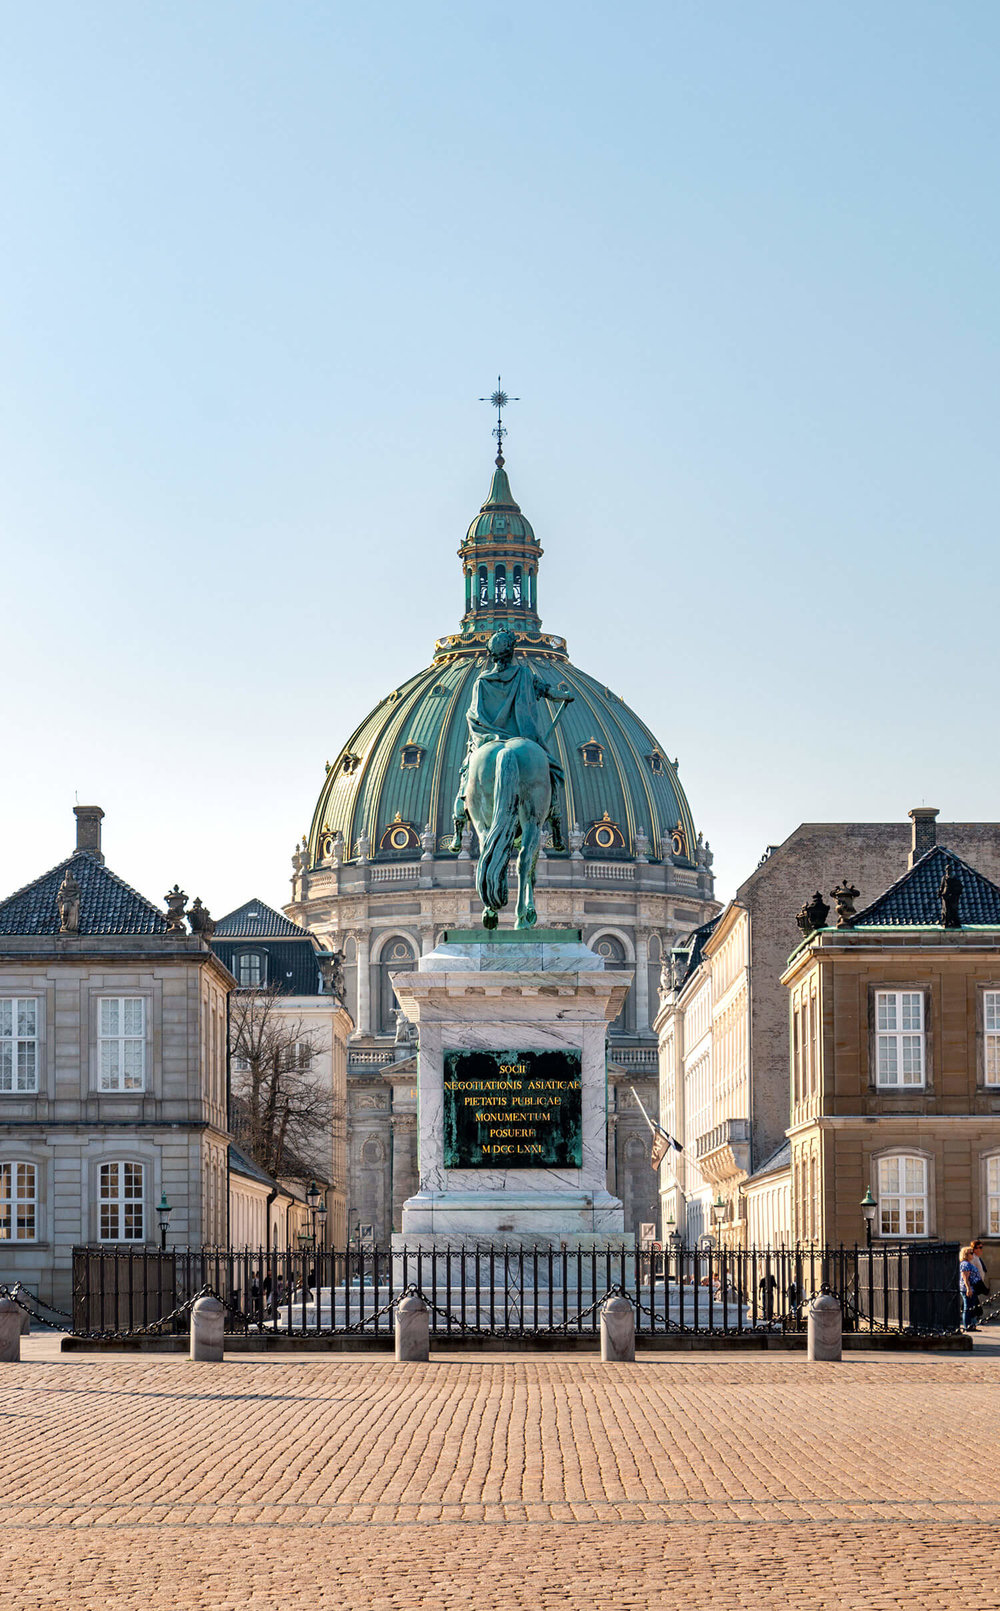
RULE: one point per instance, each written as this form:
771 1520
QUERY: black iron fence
517 1291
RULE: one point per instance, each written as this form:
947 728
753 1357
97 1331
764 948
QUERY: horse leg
490 918
531 844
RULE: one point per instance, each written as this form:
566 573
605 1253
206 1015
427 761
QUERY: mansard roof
257 921
913 901
107 904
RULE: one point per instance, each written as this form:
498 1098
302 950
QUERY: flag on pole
662 1139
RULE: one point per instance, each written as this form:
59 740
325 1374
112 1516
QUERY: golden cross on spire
499 400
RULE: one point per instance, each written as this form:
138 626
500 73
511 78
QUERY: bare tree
282 1110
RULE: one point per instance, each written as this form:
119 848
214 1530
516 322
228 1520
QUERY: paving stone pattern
499 1483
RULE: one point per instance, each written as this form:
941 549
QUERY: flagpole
652 1127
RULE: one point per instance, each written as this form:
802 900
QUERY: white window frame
120 1080
16 1045
991 1192
900 1041
904 1201
991 1037
260 983
119 1200
17 1194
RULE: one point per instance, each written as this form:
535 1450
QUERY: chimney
924 831
88 830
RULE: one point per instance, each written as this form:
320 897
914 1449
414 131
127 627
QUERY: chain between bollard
97 1335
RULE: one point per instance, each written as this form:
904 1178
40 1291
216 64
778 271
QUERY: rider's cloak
505 705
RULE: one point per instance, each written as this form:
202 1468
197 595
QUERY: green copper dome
398 772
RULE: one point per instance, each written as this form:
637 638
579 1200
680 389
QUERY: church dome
393 784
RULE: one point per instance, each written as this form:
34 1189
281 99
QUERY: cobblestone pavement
517 1482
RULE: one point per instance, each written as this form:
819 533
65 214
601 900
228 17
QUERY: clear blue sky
740 263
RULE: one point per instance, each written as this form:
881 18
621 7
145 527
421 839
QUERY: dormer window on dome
412 755
679 843
350 763
592 752
656 763
604 835
399 835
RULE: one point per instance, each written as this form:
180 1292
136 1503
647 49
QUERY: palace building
376 878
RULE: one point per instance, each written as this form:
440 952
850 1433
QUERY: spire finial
499 400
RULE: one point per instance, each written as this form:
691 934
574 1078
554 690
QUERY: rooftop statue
509 779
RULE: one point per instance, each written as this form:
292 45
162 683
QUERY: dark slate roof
256 921
693 944
242 1165
778 1160
290 953
913 900
107 904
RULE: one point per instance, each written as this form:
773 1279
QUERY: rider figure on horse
505 705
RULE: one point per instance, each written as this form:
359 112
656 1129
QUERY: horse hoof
490 918
529 919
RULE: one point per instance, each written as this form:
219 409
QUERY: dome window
592 752
500 584
350 763
655 763
678 843
515 587
604 835
484 587
412 756
399 835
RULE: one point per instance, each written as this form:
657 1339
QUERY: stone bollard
208 1325
825 1327
11 1315
617 1330
413 1341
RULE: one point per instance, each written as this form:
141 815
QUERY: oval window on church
604 835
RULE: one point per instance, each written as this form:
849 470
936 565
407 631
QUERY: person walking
977 1260
968 1277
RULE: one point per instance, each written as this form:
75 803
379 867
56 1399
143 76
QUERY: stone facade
170 1136
849 1132
723 1026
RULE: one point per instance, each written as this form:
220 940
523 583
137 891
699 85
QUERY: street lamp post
163 1213
321 1213
312 1198
869 1208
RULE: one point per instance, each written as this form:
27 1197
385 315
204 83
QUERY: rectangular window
18 1202
121 1043
902 1196
899 1036
993 1196
18 1044
991 1036
814 1055
121 1202
251 973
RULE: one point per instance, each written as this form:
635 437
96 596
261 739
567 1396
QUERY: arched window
484 587
396 957
500 584
18 1202
611 949
516 587
120 1202
903 1195
251 970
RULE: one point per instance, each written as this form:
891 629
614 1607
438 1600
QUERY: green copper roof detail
500 496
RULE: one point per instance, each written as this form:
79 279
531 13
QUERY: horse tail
495 851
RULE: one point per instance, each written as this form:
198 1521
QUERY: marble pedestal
537 990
